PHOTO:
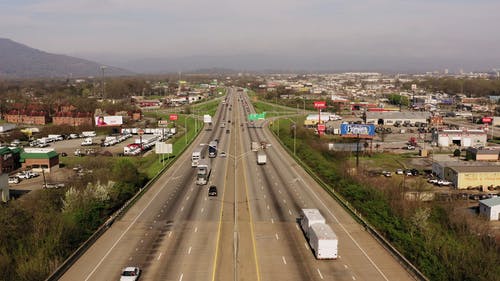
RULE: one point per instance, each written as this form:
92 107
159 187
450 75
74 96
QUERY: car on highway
212 190
130 273
222 154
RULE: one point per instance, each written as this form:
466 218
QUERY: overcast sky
465 32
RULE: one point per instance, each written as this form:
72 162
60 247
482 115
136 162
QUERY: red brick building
73 118
31 117
39 159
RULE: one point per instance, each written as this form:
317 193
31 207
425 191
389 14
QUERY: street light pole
102 80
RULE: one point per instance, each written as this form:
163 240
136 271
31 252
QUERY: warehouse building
463 177
490 208
481 154
393 117
460 138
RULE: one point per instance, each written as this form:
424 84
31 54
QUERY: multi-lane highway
176 231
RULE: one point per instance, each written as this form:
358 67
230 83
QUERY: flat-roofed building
393 117
463 177
482 154
460 138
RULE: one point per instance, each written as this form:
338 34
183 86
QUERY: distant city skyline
303 35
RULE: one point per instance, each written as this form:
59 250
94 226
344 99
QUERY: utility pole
102 80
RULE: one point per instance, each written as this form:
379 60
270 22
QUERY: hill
20 61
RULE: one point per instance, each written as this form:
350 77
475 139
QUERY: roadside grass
271 110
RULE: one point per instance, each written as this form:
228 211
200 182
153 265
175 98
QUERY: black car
212 190
227 131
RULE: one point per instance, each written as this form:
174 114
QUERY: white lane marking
202 209
307 246
268 207
187 198
264 196
196 229
189 251
142 241
159 256
182 209
277 237
284 260
290 212
353 278
205 198
320 275
284 201
180 278
162 210
345 265
130 258
169 234
272 220
146 234
297 226
137 249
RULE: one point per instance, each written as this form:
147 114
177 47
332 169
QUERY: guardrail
414 272
58 273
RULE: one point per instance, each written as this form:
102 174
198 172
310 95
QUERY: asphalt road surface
249 231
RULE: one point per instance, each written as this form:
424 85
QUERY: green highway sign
256 116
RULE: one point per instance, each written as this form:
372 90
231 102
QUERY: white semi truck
322 239
203 171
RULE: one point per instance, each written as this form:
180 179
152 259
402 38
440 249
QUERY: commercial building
460 138
490 208
39 160
463 177
482 154
7 127
392 117
9 159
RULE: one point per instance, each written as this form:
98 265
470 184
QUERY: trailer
323 241
309 217
198 154
261 157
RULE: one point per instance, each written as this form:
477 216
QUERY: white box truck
88 134
323 241
261 158
309 217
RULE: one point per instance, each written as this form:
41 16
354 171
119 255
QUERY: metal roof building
490 208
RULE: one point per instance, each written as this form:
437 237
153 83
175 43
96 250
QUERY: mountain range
20 61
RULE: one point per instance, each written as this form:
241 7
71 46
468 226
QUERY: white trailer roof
323 231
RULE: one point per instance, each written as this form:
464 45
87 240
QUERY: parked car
399 171
386 173
14 180
130 274
443 182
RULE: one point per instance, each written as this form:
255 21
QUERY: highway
248 232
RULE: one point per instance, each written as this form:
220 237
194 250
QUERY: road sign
173 117
321 127
319 104
256 116
140 132
162 123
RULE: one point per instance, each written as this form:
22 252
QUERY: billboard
103 121
173 117
357 130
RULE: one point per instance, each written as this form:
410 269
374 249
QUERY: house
34 117
490 208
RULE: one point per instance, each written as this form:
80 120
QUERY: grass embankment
431 235
41 229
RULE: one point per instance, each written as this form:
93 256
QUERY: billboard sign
173 117
357 130
163 148
319 104
106 121
162 123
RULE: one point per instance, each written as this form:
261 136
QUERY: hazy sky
461 31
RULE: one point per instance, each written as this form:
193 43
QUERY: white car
15 180
443 182
130 273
